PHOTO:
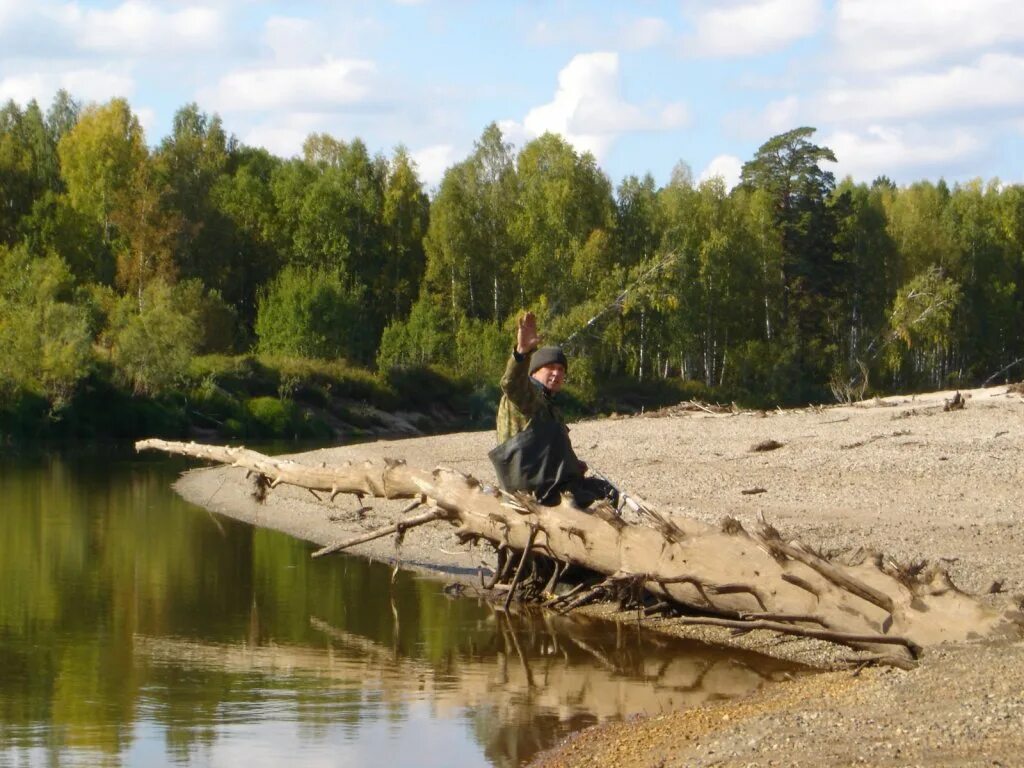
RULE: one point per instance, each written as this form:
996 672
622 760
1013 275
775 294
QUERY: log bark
724 573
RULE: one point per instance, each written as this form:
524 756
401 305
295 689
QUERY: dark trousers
585 491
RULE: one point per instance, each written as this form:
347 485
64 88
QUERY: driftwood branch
724 574
834 574
784 628
527 553
402 525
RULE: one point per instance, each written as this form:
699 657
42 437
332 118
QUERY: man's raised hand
526 335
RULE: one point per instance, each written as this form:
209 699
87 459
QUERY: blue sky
915 89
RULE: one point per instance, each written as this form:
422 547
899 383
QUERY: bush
309 312
314 382
153 338
45 339
422 340
271 417
481 351
426 388
337 377
267 417
216 321
213 404
103 410
243 374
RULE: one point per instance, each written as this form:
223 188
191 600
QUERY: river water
139 630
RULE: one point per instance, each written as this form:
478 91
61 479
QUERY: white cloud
995 81
45 29
883 35
33 31
294 40
83 84
883 150
341 29
753 28
588 108
581 31
280 140
513 132
432 162
147 119
587 31
775 117
332 85
726 167
781 115
646 32
137 27
284 132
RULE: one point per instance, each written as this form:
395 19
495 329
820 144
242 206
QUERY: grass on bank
257 396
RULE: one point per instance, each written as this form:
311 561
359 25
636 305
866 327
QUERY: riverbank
898 474
255 397
252 397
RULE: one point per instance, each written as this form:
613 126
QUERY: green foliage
754 374
471 252
100 158
45 339
921 319
216 321
271 417
28 165
774 291
213 404
187 168
54 226
312 312
337 377
420 341
637 221
247 243
430 388
153 338
279 397
247 376
481 350
563 198
341 210
405 217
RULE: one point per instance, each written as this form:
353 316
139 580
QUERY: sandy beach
898 475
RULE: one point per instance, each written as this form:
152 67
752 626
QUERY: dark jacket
534 452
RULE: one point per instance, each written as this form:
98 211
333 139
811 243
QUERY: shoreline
897 474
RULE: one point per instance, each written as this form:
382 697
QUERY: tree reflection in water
525 683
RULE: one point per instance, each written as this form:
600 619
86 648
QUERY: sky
913 89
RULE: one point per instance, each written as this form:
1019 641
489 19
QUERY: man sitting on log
534 451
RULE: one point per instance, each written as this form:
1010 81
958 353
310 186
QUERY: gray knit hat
548 356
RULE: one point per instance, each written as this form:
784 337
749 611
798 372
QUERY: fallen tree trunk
742 579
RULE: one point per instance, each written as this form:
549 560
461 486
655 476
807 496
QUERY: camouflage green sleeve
516 386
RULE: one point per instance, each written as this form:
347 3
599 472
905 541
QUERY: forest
144 288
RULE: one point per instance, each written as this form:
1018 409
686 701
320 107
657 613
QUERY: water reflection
138 630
